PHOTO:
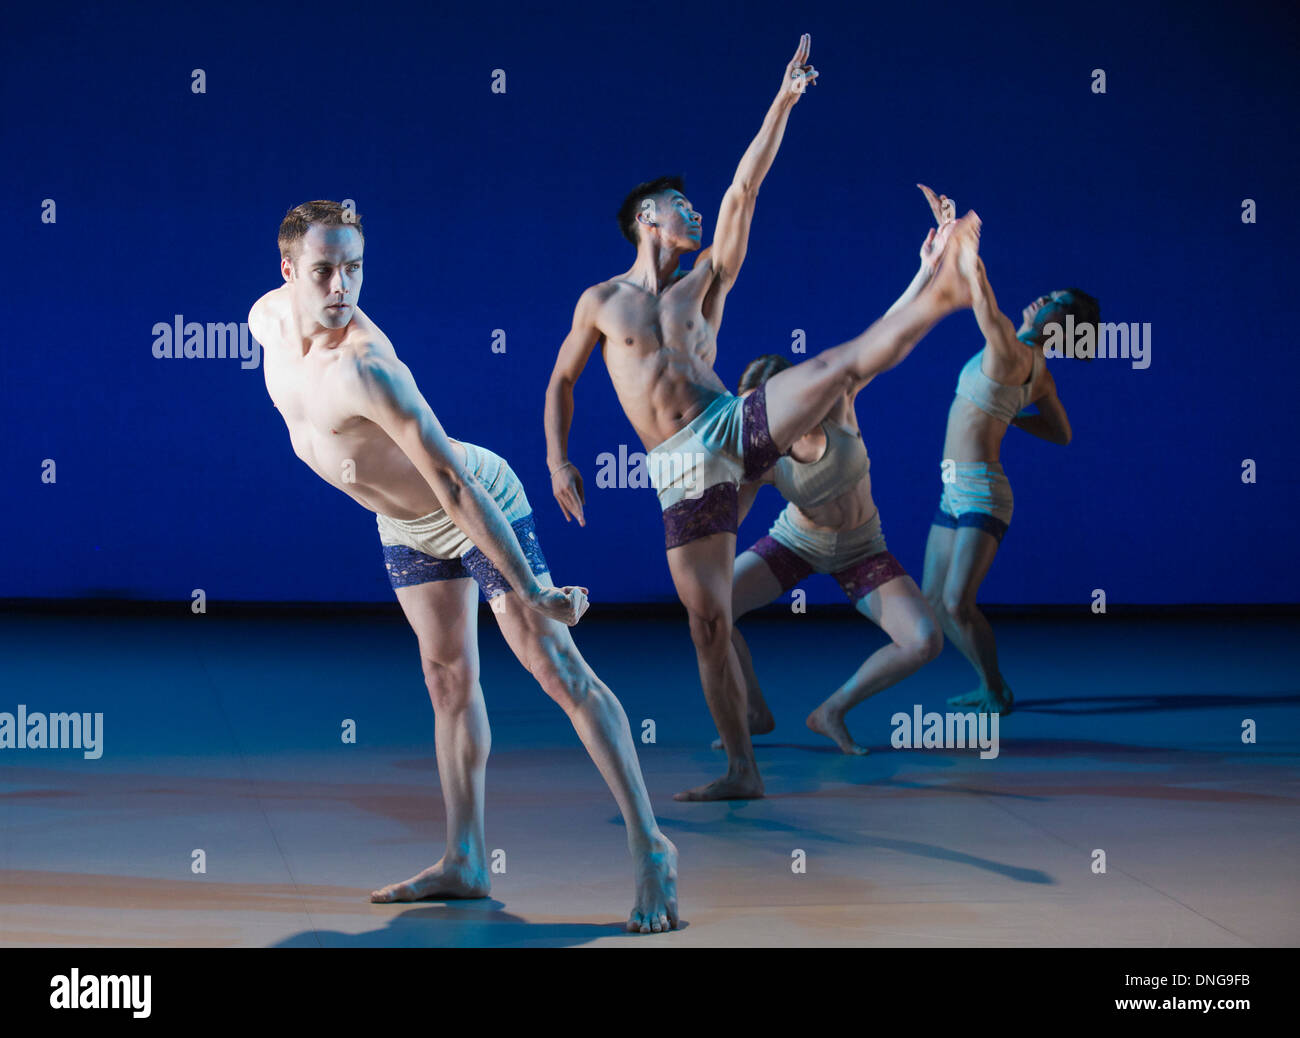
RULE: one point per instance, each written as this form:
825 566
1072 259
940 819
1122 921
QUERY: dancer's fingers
579 602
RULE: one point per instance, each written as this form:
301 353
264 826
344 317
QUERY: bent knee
923 643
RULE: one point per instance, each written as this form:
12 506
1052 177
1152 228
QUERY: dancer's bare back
319 395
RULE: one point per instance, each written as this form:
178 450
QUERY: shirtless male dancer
993 390
657 326
452 517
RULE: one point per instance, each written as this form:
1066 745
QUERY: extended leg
445 621
800 397
546 648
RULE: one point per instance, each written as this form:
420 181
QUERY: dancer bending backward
453 519
830 525
993 390
657 325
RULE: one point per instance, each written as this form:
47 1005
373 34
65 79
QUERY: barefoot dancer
994 388
657 325
452 517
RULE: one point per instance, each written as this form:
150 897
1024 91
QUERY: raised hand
798 73
943 207
945 215
957 281
933 246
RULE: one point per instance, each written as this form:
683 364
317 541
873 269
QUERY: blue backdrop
492 211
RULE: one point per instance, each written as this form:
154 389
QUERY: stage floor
224 735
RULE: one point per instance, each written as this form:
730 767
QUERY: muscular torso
975 435
660 349
346 450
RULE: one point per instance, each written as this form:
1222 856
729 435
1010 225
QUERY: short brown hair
298 220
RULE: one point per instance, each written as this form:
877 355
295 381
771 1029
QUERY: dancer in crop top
993 390
830 525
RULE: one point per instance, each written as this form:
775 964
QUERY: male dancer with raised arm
657 325
452 518
996 385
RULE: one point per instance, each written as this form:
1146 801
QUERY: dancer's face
1045 310
678 224
325 278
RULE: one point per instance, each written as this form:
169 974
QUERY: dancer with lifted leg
657 326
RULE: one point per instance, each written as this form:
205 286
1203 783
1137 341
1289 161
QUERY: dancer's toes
968 698
655 910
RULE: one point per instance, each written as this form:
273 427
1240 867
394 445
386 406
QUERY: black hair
632 203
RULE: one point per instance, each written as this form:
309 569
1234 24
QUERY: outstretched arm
731 238
575 351
382 389
999 333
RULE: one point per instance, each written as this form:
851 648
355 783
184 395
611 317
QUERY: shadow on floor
461 924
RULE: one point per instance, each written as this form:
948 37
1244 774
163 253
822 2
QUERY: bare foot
830 723
960 267
655 910
746 786
760 723
437 881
